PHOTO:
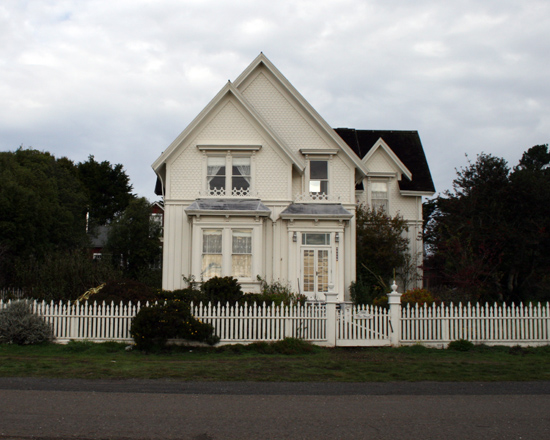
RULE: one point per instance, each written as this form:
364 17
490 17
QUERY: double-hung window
215 175
379 195
212 247
318 177
220 182
241 258
240 176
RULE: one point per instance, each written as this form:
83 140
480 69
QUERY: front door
316 271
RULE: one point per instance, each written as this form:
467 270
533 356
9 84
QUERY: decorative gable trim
319 152
304 106
229 147
229 90
381 144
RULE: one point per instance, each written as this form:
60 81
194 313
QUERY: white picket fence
329 324
249 323
489 324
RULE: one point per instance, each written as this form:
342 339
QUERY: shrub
18 325
288 346
154 325
461 345
222 289
274 292
364 292
381 301
187 295
418 296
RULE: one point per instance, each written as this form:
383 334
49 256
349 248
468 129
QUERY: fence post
331 317
394 302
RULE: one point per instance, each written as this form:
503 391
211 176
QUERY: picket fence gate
329 323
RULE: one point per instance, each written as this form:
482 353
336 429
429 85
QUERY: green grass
287 361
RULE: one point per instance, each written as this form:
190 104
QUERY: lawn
287 361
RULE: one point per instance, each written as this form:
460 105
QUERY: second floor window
318 177
237 182
379 195
240 178
215 174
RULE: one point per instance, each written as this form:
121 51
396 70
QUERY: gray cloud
120 80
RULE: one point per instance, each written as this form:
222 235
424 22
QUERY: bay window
226 252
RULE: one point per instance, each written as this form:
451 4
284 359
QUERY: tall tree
381 249
42 207
108 188
489 235
134 240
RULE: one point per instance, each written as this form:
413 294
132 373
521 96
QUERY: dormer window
379 195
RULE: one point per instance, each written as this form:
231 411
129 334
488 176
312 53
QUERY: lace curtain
215 164
211 253
241 260
242 164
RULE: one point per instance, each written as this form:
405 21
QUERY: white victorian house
259 184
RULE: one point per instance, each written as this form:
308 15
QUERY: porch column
394 302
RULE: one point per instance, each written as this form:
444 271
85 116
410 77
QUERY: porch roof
242 207
325 211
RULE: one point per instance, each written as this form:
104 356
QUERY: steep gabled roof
262 61
229 90
407 147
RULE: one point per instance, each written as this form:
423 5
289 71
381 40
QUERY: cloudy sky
120 79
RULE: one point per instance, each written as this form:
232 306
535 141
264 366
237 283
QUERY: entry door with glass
315 264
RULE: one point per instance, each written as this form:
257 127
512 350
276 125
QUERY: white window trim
321 196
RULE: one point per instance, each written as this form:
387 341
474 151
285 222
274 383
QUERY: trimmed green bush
418 296
461 345
222 289
19 325
154 325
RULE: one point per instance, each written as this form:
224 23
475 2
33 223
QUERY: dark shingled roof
405 144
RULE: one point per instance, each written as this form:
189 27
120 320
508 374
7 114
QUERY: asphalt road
133 409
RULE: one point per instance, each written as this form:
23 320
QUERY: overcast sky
120 79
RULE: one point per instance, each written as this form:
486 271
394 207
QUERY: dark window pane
318 169
217 182
240 182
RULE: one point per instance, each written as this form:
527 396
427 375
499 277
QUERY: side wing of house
398 177
258 185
